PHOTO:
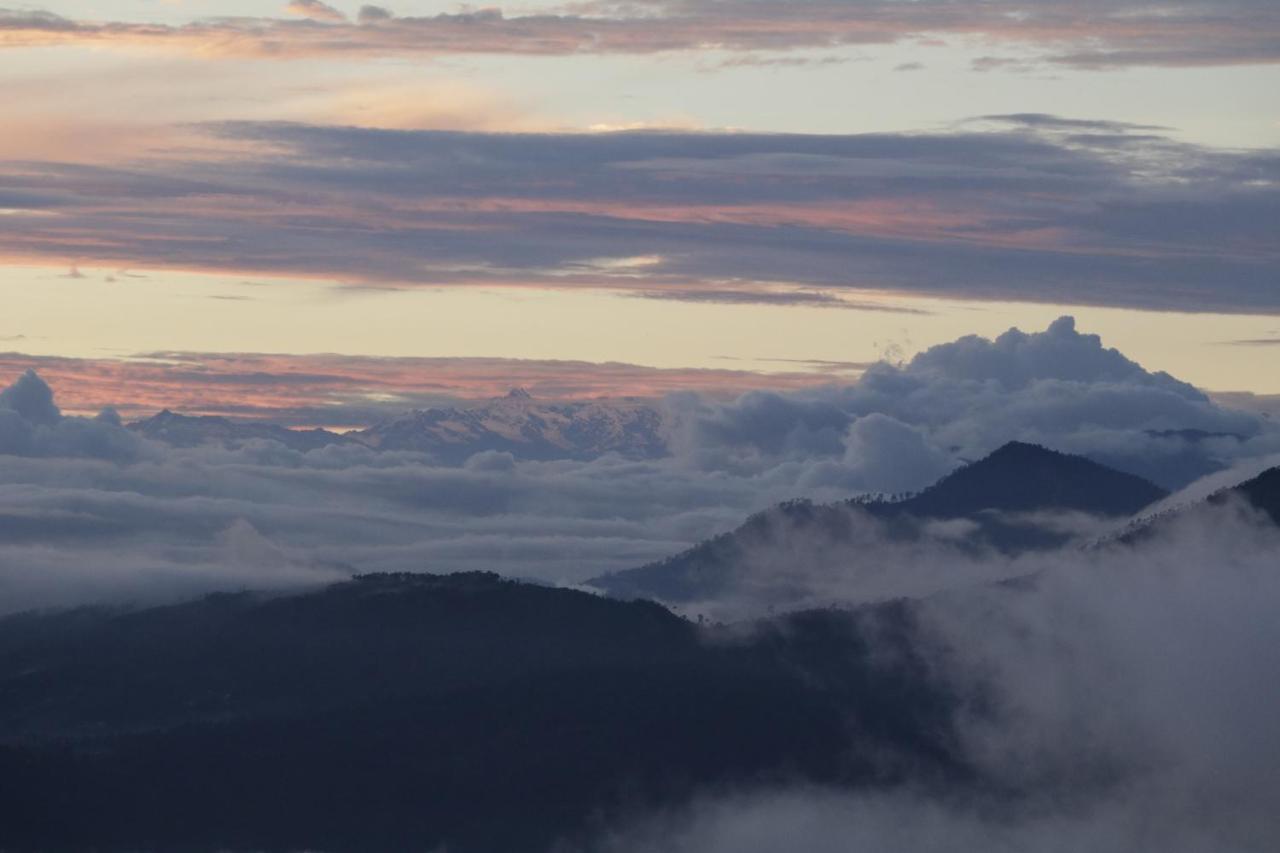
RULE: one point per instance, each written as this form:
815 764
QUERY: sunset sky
628 197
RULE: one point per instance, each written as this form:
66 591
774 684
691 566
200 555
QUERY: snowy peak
195 430
516 424
525 428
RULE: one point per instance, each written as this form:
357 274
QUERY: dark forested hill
1020 477
409 711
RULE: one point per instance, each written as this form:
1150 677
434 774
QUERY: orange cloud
315 10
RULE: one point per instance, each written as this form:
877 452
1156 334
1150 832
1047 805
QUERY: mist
1114 698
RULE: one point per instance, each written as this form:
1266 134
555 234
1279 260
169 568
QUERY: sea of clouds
90 511
1127 691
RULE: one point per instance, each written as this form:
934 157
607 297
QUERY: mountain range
997 499
471 713
195 430
526 428
516 424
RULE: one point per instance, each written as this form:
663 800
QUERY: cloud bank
356 391
1059 388
1085 35
91 511
1024 207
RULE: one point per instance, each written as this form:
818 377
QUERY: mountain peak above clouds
996 498
515 423
1022 477
179 430
526 428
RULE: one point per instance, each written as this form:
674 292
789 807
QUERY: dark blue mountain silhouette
995 493
411 712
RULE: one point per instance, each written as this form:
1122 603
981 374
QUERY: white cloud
1059 388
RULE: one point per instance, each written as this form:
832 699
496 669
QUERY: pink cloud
345 391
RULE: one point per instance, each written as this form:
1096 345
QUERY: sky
733 193
836 248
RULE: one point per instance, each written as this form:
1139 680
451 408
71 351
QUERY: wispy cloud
801 297
1252 342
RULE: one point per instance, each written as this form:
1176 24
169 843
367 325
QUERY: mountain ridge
397 712
986 492
516 423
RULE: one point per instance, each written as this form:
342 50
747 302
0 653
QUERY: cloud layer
961 400
1090 34
1025 207
354 391
89 510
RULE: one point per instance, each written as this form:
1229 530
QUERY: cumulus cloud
1016 207
32 400
882 454
961 400
31 424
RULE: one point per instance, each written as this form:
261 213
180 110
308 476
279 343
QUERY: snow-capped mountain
517 423
526 428
194 430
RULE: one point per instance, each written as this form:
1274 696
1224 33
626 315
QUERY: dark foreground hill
409 712
998 495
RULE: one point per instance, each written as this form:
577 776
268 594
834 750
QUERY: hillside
404 712
1263 492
